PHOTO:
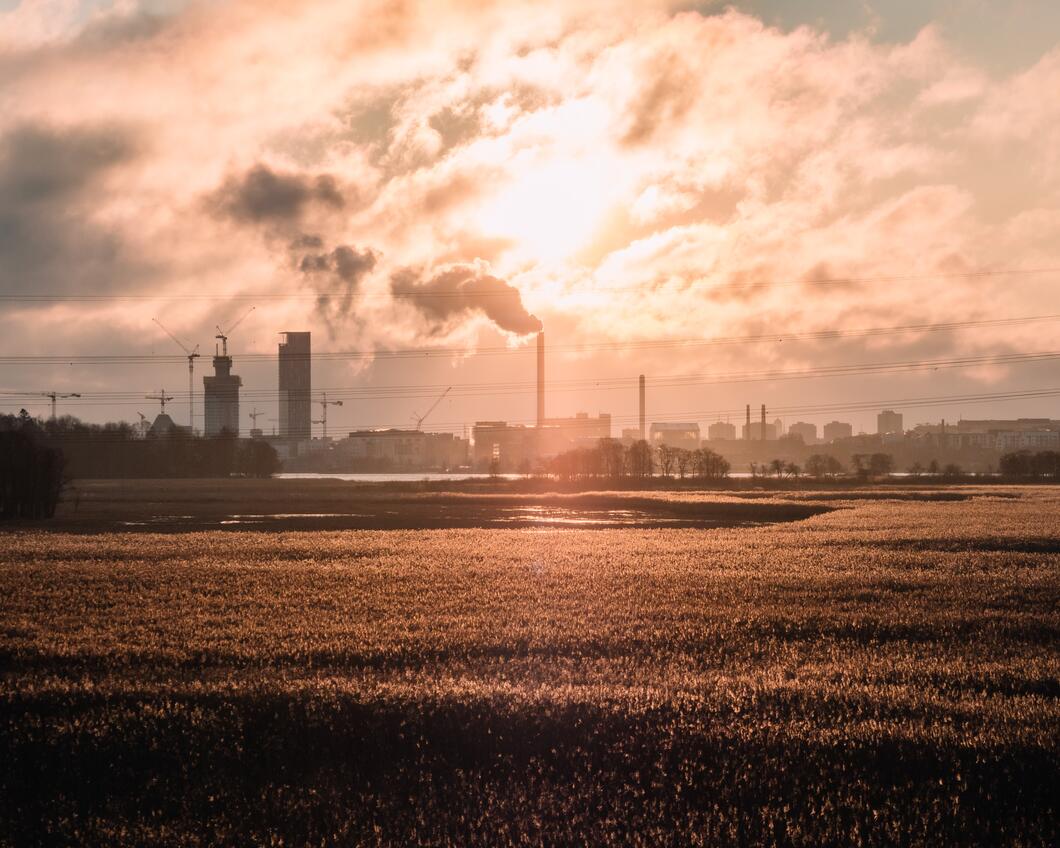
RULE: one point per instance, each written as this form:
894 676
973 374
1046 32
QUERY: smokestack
763 422
747 429
541 379
642 407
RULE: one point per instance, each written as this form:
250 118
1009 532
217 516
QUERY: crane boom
55 395
223 334
192 354
162 397
421 418
324 404
242 318
165 330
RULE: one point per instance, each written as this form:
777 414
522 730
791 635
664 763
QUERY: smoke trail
461 289
335 275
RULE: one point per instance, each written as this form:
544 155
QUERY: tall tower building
888 422
541 379
222 398
296 387
643 432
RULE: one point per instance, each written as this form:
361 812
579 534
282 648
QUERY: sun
550 209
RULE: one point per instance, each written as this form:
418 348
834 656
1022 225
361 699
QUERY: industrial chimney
642 430
747 430
541 379
763 422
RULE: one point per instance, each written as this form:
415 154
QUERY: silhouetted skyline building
834 430
759 431
674 434
889 422
221 392
805 430
721 431
296 386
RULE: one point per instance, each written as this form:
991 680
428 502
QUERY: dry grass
884 674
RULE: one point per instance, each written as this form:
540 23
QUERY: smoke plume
265 196
335 275
455 292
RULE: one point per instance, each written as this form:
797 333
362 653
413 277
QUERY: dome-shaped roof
162 424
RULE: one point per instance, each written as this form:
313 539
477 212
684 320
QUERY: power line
496 389
904 403
583 347
56 297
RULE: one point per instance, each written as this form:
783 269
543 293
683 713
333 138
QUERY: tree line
121 451
1026 465
611 459
31 472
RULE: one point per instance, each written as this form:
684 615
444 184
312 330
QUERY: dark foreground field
885 673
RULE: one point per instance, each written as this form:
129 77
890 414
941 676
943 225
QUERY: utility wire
788 411
59 297
495 389
586 347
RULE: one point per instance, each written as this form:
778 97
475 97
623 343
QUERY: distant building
721 431
1014 425
581 431
808 432
630 435
221 392
502 446
835 430
163 425
404 449
889 422
997 434
675 435
753 431
296 386
778 427
1013 440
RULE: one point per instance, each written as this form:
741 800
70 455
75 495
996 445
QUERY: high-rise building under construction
296 386
221 395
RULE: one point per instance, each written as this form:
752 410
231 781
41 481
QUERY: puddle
587 513
562 517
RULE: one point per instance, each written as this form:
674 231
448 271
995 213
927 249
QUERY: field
881 669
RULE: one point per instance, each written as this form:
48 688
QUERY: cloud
265 196
454 293
669 94
52 182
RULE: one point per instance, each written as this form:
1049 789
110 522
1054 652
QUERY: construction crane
419 419
254 416
161 397
144 426
324 404
55 395
192 355
224 334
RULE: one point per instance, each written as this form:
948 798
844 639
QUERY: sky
722 197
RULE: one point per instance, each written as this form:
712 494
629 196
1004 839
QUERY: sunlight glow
551 210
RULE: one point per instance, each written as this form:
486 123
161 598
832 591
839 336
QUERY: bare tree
667 459
823 465
683 461
711 465
640 459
